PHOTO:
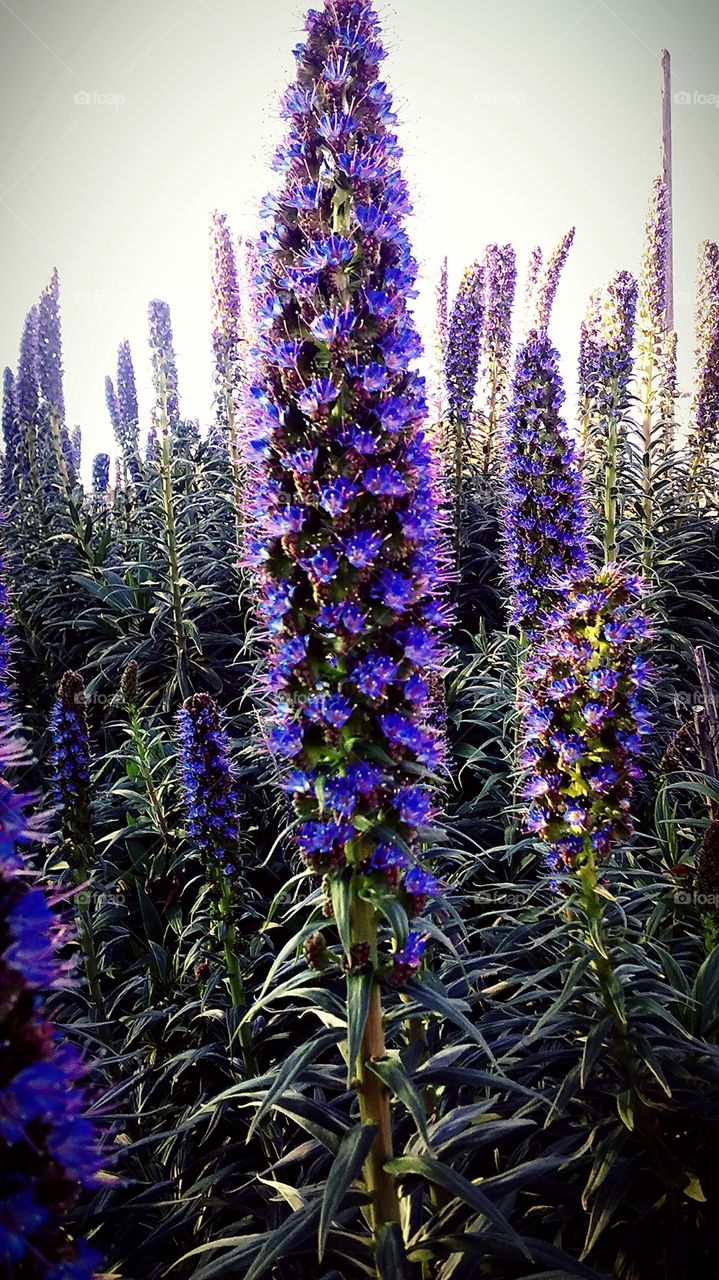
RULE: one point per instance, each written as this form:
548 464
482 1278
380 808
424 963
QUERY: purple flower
337 496
414 805
208 782
363 548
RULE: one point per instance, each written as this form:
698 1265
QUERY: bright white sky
519 119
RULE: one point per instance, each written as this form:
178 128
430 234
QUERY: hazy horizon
125 126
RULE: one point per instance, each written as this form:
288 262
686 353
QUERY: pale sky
519 118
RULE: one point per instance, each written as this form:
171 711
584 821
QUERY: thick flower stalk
227 346
48 1146
500 279
704 417
347 542
653 354
584 718
54 447
605 372
545 535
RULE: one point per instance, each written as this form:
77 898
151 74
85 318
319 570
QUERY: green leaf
390 1255
434 1000
305 1052
341 908
459 1186
592 1049
359 990
346 1167
285 1240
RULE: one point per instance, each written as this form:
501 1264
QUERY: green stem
373 1097
173 560
647 406
228 934
609 987
610 492
143 763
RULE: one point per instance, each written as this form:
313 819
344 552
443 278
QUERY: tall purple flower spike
164 363
346 535
545 534
227 323
49 1145
584 719
464 341
500 278
211 795
12 441
54 437
605 348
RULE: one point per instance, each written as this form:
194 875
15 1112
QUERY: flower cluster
164 366
346 536
226 333
54 441
441 335
100 474
544 519
71 762
704 421
48 1146
653 275
211 796
547 281
605 349
584 718
464 342
500 279
121 399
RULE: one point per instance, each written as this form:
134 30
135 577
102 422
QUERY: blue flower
337 495
363 548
